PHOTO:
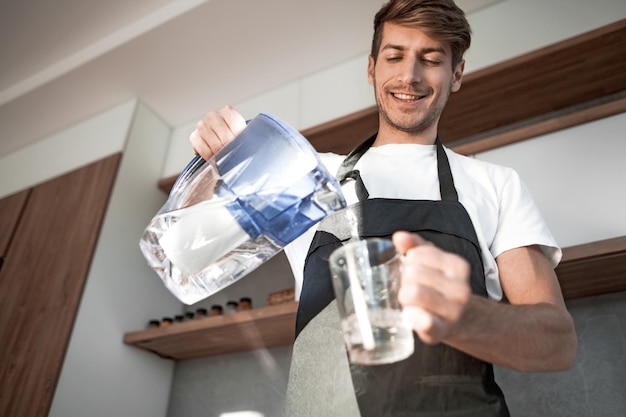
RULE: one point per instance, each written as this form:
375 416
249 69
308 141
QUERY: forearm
534 332
532 338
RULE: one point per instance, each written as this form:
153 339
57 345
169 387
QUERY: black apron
437 380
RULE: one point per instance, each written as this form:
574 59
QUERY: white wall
577 177
65 151
514 27
101 376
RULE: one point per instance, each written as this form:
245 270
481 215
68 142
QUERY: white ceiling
66 60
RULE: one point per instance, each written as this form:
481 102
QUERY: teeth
405 96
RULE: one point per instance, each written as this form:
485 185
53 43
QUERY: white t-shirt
500 206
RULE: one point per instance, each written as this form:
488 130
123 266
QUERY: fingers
235 120
216 130
403 241
434 290
427 326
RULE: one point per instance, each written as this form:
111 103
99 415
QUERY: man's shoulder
478 174
477 165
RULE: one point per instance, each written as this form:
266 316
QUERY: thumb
403 241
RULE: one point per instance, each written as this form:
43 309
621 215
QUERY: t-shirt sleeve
520 222
297 250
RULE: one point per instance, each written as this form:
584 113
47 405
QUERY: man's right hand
216 130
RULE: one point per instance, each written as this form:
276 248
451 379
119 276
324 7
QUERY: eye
393 58
432 62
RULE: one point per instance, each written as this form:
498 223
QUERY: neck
391 135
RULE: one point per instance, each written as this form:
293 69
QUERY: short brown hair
440 19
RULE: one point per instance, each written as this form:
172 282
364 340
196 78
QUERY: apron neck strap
347 166
446 181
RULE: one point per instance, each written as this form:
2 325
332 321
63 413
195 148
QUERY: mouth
407 98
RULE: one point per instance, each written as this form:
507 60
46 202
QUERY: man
478 281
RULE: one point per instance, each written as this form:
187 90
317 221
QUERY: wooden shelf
593 268
246 330
590 269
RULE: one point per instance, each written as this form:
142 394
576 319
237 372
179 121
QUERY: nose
410 72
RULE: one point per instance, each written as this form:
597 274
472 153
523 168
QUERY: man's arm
534 332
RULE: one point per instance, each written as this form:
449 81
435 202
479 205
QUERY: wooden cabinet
48 236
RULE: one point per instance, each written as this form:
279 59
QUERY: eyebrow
422 51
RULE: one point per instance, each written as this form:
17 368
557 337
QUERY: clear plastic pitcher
226 216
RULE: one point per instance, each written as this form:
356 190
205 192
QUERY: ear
458 76
370 69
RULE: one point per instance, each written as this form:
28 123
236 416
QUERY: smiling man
413 76
478 281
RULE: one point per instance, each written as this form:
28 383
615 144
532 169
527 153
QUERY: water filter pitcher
226 216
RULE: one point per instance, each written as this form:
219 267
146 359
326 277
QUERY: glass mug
366 279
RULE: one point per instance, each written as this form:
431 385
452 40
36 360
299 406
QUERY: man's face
412 79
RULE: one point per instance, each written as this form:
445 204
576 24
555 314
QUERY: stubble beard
414 125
